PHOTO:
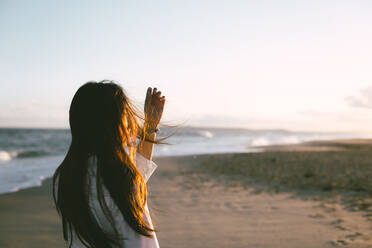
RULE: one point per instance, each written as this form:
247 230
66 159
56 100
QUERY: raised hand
154 106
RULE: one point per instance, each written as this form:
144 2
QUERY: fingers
155 92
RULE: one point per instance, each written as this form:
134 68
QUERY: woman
100 187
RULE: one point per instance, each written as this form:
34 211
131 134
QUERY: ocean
27 156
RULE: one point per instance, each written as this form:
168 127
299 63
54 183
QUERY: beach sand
194 207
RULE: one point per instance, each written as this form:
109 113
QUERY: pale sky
297 65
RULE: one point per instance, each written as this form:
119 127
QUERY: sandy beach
258 115
198 201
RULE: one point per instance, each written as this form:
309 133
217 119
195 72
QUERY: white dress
132 238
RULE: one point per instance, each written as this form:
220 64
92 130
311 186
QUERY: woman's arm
146 148
154 106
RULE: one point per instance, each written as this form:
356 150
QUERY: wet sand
195 208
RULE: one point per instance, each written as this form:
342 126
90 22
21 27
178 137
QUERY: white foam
290 140
206 134
15 189
5 156
18 174
164 149
261 141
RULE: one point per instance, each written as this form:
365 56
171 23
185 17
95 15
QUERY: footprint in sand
334 244
228 205
338 243
233 206
337 222
317 216
245 207
342 242
339 227
354 236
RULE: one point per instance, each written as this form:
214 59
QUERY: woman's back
131 238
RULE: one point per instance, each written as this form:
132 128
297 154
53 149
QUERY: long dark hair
103 123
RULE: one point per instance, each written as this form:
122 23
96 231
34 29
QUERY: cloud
361 100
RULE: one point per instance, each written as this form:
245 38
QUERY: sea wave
269 140
9 155
260 141
205 133
32 153
290 140
27 156
36 183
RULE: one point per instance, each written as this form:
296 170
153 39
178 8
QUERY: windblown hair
103 123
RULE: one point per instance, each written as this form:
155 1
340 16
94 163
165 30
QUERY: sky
296 65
